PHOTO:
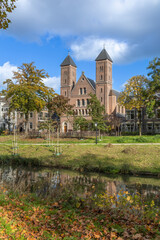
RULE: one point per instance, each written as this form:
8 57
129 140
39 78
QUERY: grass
105 139
105 158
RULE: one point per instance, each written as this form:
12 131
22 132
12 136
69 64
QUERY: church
78 91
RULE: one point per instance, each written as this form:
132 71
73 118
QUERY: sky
44 32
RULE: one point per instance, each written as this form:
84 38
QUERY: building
79 91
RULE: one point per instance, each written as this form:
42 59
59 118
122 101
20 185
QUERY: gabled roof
103 56
68 61
92 82
115 93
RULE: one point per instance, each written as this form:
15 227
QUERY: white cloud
89 48
53 82
127 23
6 72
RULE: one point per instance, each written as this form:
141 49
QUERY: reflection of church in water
49 183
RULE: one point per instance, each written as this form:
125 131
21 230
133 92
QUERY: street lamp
96 131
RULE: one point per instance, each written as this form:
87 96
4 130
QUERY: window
21 115
82 111
101 77
46 115
101 68
87 101
31 115
130 128
78 103
158 113
83 102
130 114
86 112
101 99
157 127
30 125
101 90
40 115
65 93
65 81
85 91
81 91
149 127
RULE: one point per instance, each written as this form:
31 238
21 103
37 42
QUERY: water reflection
45 183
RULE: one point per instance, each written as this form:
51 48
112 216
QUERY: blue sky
44 31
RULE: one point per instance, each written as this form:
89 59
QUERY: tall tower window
78 103
65 81
101 68
81 91
101 77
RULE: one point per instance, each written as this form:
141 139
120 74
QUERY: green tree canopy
96 111
135 95
154 86
6 6
28 93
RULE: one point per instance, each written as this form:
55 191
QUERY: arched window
83 102
85 91
78 103
101 90
82 111
101 77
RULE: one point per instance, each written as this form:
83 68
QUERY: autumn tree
96 111
59 105
134 96
28 92
6 6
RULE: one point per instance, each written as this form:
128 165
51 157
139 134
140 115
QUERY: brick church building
78 91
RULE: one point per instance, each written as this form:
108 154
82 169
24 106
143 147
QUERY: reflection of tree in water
50 183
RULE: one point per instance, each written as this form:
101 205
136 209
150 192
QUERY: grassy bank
27 217
103 139
105 159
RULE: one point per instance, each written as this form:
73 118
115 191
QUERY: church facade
79 91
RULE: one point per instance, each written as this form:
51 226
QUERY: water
49 182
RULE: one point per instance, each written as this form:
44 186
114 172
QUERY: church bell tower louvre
104 80
68 76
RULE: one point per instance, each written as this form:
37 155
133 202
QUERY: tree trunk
26 123
140 123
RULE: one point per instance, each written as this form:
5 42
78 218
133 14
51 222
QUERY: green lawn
99 158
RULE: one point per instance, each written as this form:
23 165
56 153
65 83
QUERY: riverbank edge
17 160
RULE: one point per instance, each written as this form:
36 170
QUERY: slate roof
103 56
68 61
114 92
92 82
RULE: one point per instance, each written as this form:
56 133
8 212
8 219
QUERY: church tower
68 76
104 80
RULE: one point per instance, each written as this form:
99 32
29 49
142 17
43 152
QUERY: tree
154 85
6 6
29 92
59 105
134 96
80 123
96 111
